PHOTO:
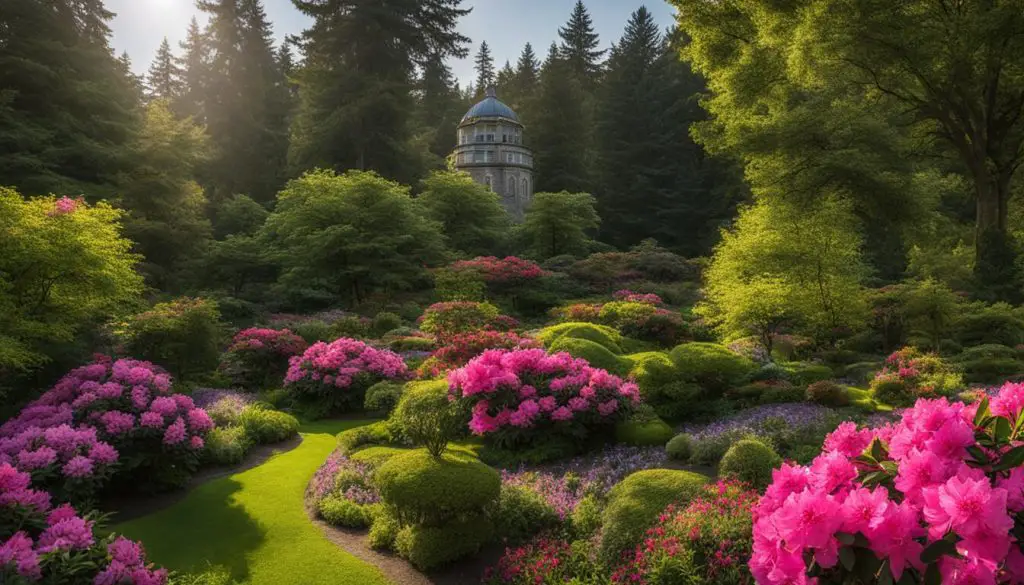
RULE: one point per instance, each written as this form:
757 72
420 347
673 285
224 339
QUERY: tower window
526 187
508 157
512 186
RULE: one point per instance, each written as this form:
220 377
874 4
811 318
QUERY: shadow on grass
208 520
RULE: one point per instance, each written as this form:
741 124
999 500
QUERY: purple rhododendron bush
44 544
526 396
936 497
107 420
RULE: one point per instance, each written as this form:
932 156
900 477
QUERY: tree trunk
992 194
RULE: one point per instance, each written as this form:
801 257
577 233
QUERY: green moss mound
602 335
378 433
643 433
428 490
595 354
750 461
651 369
712 366
522 514
429 547
375 456
635 503
802 374
383 396
679 447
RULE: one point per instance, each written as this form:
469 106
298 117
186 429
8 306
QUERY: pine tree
527 69
194 64
359 115
484 65
438 110
579 46
164 80
559 135
505 80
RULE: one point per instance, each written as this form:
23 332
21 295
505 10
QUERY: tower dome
491 149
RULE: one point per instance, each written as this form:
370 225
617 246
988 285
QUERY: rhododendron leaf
1012 458
867 565
1020 422
847 558
983 413
845 538
938 549
885 574
1003 430
979 454
866 459
932 576
878 450
890 467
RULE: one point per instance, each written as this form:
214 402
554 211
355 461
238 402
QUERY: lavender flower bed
752 421
355 486
223 406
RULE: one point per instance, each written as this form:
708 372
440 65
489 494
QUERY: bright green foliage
557 223
472 216
226 445
784 263
634 504
602 335
384 530
586 518
446 319
522 514
349 235
383 396
427 417
420 486
595 354
620 313
59 272
712 366
679 447
750 461
803 373
429 547
651 369
931 308
338 511
378 433
643 433
459 285
263 425
184 336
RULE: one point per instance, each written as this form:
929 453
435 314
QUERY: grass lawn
862 397
254 524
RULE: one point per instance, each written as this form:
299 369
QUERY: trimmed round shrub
383 396
226 445
862 372
596 355
450 318
379 433
679 447
384 530
602 335
651 369
258 358
675 400
750 461
803 374
892 391
184 336
338 511
995 324
384 322
522 514
622 313
713 366
828 393
429 547
264 426
412 343
427 416
635 503
429 490
376 456
585 519
643 433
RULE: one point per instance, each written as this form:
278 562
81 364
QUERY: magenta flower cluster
259 357
518 394
48 545
282 341
938 491
345 478
342 363
635 297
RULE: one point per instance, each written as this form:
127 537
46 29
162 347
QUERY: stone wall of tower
500 179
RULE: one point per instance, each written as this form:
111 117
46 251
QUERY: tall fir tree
356 84
484 65
505 80
439 108
559 129
67 106
194 64
579 46
527 69
164 80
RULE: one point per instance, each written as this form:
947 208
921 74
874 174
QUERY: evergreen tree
505 80
484 65
164 80
356 84
194 65
66 104
439 109
559 129
579 46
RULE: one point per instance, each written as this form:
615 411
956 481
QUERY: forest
762 320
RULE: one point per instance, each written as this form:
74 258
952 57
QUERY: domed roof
491 107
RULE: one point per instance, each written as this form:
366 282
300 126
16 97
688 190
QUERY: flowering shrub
708 539
462 347
545 561
342 493
620 313
57 545
223 406
124 412
521 396
909 374
334 376
933 498
510 270
635 297
578 313
259 357
451 318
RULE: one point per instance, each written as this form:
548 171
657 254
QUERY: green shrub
651 369
991 370
352 326
675 400
423 489
620 313
410 343
679 447
384 529
862 372
383 396
378 433
429 547
803 374
595 354
427 417
635 503
384 322
643 433
712 366
338 511
599 334
750 461
522 514
450 318
804 454
585 519
709 450
551 449
998 323
313 330
828 393
263 425
184 336
376 456
989 350
226 445
780 394
892 391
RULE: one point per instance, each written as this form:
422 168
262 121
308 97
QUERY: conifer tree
559 130
438 110
527 69
580 44
505 80
484 65
164 80
194 64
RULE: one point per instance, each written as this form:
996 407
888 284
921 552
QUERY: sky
506 25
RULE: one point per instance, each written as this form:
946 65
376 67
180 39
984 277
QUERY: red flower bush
578 313
259 357
461 348
910 374
501 271
545 561
635 297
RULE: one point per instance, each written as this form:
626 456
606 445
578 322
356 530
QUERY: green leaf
932 575
1003 430
885 574
978 453
847 558
845 538
878 451
890 467
983 413
1012 458
937 549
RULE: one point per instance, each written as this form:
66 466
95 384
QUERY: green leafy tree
558 223
761 307
560 129
472 216
164 78
484 65
346 236
239 215
931 309
64 266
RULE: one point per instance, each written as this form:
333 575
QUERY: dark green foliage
558 223
586 517
990 363
263 425
427 417
522 514
595 354
440 110
163 82
421 487
560 131
239 216
802 374
484 65
893 392
712 366
429 547
384 322
997 323
579 47
996 267
643 433
634 504
470 214
750 461
679 447
185 336
383 396
675 400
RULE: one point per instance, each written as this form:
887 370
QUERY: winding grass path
255 525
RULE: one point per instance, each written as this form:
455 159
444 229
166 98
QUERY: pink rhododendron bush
525 396
43 544
459 349
259 358
508 271
333 377
934 498
105 414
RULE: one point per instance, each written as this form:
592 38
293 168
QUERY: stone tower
491 150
